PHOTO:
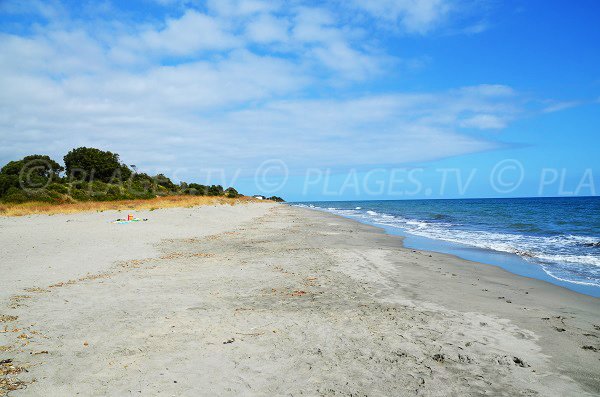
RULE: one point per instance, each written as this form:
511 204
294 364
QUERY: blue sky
313 100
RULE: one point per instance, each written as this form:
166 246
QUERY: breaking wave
565 257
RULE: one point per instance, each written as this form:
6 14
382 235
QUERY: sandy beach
267 299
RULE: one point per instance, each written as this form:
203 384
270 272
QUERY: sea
551 239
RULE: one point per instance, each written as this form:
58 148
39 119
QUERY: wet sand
274 300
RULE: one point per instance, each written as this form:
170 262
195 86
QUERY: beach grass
34 207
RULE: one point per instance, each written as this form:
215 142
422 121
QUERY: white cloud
490 90
364 131
314 25
227 115
475 28
49 9
194 91
244 8
337 47
413 16
558 106
186 35
58 52
268 29
346 61
484 122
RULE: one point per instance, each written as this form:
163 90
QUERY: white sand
273 300
42 250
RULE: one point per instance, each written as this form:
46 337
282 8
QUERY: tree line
90 174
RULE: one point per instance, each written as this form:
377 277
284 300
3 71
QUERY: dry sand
267 299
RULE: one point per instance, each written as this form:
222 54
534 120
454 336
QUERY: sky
313 100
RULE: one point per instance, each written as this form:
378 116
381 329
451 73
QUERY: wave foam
557 255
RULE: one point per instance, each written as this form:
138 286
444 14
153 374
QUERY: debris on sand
592 348
7 383
10 384
129 219
228 341
560 329
439 358
37 290
15 300
520 362
510 360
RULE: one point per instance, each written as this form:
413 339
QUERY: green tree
93 175
215 190
37 164
7 182
32 172
94 164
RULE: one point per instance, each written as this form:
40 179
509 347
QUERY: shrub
80 195
58 188
165 182
114 193
197 189
14 195
231 192
142 185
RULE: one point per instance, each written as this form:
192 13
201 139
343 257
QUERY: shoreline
455 257
513 289
284 300
505 260
511 263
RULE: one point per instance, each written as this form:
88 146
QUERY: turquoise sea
552 239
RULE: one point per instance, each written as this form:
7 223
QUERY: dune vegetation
96 180
37 207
